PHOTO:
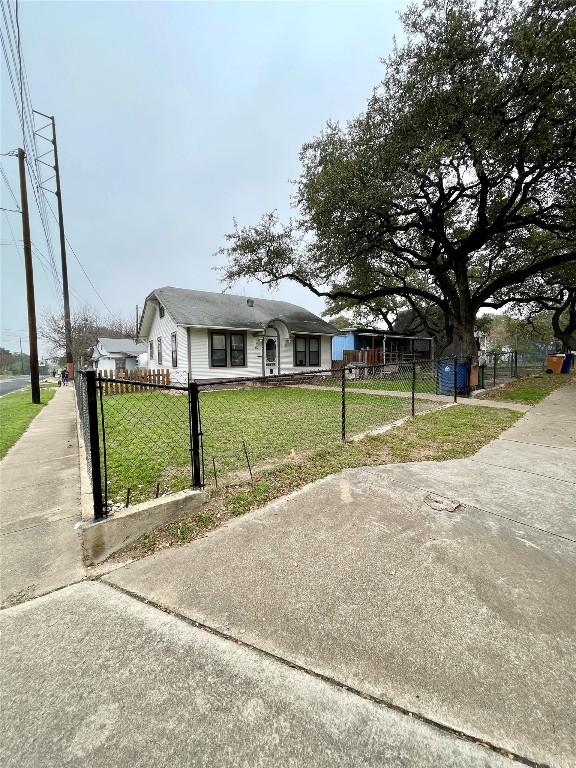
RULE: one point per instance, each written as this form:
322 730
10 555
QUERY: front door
271 356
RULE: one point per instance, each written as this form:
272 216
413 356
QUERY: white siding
164 327
194 351
200 355
287 355
106 364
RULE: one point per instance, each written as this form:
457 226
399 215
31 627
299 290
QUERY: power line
26 118
7 182
80 263
45 265
12 48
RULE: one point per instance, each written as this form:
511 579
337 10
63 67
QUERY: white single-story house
208 336
118 354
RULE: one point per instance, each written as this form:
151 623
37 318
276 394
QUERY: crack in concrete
480 742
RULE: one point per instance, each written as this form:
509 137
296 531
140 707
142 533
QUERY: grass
528 390
447 434
16 412
391 381
147 437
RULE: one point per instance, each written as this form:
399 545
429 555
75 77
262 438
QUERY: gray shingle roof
225 310
121 346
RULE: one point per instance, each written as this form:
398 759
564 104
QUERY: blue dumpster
446 377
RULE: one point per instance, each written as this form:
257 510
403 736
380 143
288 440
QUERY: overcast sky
173 118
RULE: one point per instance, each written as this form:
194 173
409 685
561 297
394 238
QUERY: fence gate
141 439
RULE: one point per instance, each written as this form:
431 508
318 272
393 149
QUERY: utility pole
34 371
67 323
21 358
137 324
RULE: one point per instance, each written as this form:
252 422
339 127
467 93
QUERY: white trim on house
194 354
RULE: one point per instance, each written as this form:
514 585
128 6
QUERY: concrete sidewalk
95 678
446 589
40 500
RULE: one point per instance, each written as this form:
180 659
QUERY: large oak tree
457 184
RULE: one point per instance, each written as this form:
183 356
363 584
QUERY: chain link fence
254 424
145 439
503 366
84 422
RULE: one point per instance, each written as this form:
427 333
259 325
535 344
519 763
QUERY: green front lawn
424 384
447 434
389 380
147 436
16 412
529 390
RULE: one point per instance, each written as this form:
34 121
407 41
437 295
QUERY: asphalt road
11 385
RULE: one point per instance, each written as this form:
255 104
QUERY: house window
314 351
174 351
159 347
300 351
307 351
227 350
237 350
218 356
151 350
161 311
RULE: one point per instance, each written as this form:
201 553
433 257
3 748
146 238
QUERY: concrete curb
100 539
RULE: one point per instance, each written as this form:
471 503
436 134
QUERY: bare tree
87 327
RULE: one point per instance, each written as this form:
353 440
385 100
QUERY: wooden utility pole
34 371
65 292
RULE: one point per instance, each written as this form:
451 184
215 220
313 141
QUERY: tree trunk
464 330
465 312
567 314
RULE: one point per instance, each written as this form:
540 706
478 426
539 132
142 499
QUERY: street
13 383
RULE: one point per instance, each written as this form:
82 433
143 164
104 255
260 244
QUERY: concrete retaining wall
102 538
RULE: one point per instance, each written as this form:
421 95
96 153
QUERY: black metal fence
144 439
141 439
502 367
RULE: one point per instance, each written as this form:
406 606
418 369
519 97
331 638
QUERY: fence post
455 362
343 387
92 408
413 387
495 365
515 363
194 421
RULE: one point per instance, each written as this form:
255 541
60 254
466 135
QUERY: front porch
383 349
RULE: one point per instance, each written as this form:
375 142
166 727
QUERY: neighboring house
119 354
375 346
206 336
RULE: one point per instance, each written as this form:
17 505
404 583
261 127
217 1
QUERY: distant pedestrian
63 378
66 378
